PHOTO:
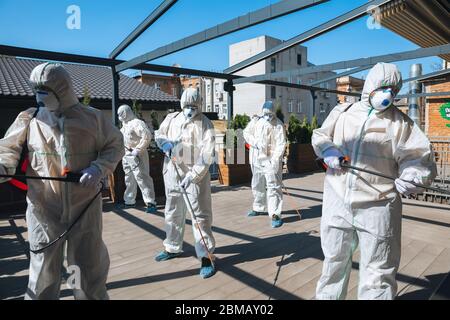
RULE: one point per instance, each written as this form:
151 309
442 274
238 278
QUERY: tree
155 122
137 109
301 132
279 111
86 96
240 121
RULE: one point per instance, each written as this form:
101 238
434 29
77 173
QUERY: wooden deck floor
254 261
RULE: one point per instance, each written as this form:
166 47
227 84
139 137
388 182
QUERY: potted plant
234 164
301 155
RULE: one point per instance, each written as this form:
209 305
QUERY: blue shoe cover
277 222
252 213
164 256
207 270
128 206
151 208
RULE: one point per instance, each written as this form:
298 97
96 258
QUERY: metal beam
429 75
308 88
152 18
54 56
115 96
401 56
308 35
339 75
67 57
98 61
251 19
427 94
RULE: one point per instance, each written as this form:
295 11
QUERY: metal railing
441 148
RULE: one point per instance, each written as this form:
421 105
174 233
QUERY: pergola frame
259 16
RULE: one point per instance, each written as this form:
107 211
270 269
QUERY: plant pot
231 174
301 158
156 162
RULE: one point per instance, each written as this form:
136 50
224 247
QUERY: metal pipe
415 87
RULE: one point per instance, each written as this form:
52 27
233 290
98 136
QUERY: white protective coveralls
194 142
74 137
267 140
359 207
137 136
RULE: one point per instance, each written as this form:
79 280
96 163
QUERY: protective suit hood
125 113
382 75
54 77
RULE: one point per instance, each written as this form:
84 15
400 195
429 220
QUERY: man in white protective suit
188 137
137 137
63 135
363 208
267 139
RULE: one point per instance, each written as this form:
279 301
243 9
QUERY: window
299 80
208 108
299 59
157 86
290 106
216 87
273 65
208 89
273 92
216 108
322 108
299 107
174 91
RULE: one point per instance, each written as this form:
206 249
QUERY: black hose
71 226
345 164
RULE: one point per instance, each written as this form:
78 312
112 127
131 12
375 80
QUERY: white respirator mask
381 99
268 116
122 116
47 99
190 112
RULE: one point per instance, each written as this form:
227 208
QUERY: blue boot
276 221
254 213
164 256
128 206
151 208
207 270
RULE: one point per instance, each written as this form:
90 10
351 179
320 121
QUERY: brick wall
436 125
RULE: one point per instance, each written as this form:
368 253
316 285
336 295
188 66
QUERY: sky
104 24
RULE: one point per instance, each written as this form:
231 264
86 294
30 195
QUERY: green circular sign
445 112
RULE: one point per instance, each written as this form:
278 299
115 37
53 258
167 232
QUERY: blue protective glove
331 158
167 147
90 177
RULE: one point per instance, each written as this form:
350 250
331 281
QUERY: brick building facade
437 109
